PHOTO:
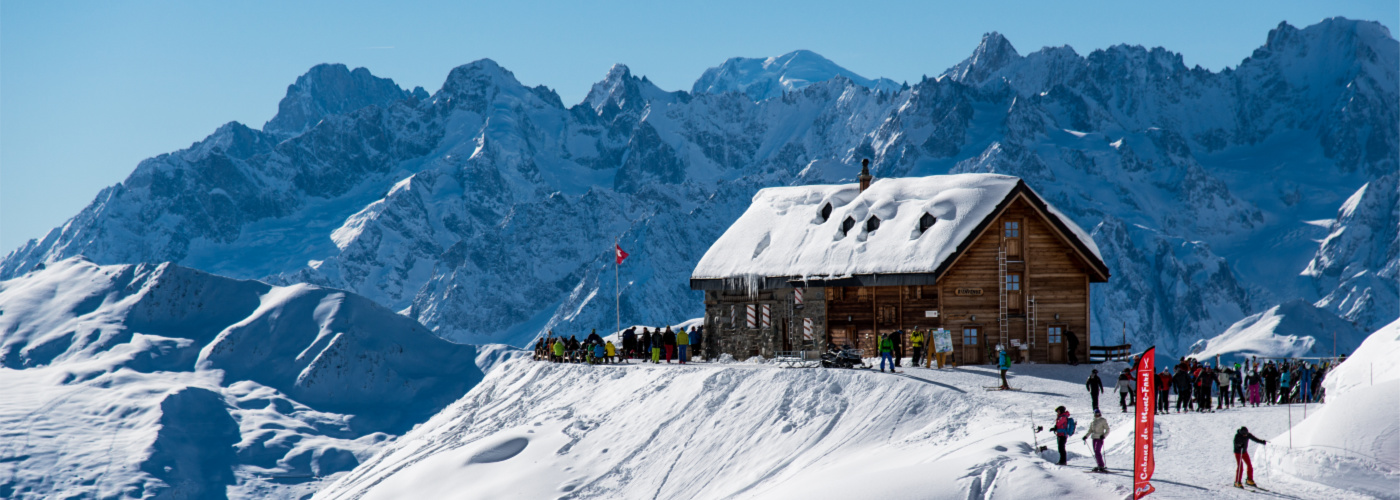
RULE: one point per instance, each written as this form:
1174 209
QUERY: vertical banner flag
621 255
767 317
1143 461
752 315
797 296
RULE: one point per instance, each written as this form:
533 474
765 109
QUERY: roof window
872 224
846 225
826 212
926 222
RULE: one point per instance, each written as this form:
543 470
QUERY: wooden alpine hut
981 255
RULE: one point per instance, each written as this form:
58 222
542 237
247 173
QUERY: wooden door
970 353
1056 341
1011 238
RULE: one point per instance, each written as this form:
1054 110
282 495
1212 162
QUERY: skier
1164 384
629 342
1253 382
654 340
1237 385
558 351
593 338
1095 386
916 340
611 351
1063 428
886 352
599 352
1097 430
1222 394
1183 388
1003 363
1285 395
696 343
1305 383
897 340
668 340
682 343
1125 386
1270 375
1072 345
1242 464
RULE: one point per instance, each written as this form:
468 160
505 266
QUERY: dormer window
926 222
846 225
872 224
826 212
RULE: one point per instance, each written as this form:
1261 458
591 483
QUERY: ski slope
749 430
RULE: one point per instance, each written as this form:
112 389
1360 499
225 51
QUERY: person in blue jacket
599 354
1003 363
695 343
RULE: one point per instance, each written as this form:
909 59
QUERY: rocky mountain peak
994 53
328 89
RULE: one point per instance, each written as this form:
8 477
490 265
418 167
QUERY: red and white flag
1143 460
621 255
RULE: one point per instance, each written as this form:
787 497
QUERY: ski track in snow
747 430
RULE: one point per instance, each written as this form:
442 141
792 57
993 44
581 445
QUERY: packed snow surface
784 233
751 430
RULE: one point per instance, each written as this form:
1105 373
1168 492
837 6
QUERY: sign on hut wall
967 292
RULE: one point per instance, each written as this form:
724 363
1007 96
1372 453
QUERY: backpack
1069 426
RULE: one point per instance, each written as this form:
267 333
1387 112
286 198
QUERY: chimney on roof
864 174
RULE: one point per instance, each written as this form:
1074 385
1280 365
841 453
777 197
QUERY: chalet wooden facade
1006 268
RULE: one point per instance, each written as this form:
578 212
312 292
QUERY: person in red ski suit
1242 464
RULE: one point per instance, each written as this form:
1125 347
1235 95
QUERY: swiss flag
621 255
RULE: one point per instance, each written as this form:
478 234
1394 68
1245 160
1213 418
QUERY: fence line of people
680 345
1196 384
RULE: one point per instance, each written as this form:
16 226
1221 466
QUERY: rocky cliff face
488 210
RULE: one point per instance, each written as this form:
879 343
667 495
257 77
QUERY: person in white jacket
1126 385
1097 430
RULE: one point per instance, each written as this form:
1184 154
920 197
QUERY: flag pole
617 283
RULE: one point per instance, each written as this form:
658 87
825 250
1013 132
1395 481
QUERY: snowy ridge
221 386
487 210
1290 330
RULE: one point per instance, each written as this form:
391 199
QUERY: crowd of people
680 345
1199 387
1197 384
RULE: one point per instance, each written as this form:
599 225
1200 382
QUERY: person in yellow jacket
916 340
611 351
558 350
682 342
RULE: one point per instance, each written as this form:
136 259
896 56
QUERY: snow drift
163 380
1352 441
540 430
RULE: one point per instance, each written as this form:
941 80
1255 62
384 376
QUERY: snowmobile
845 357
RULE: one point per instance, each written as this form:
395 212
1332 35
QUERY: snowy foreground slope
739 430
159 380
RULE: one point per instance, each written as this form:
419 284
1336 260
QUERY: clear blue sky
89 88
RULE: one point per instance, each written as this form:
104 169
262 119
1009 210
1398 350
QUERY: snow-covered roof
784 234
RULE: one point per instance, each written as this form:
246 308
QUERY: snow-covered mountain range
487 210
160 381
